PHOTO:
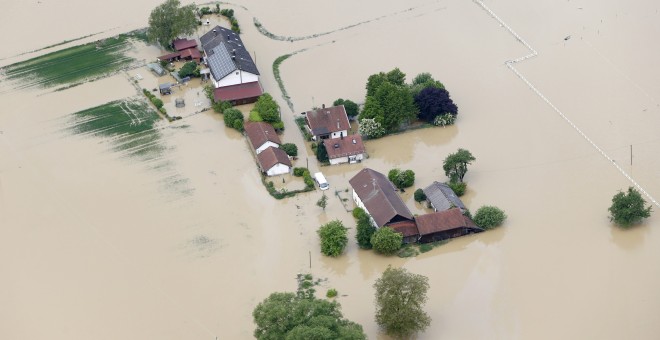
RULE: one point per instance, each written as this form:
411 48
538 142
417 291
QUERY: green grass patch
407 250
73 64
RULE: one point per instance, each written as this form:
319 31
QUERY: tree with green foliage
422 81
455 165
419 195
400 297
364 228
231 116
322 153
333 238
302 316
489 217
351 107
386 241
322 202
628 209
290 149
401 179
268 108
396 77
221 106
391 105
188 69
457 187
169 21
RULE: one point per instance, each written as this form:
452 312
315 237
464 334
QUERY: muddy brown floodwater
169 234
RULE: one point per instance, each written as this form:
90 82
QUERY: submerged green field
72 65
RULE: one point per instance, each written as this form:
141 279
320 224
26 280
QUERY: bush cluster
234 119
229 14
158 104
458 187
290 149
419 195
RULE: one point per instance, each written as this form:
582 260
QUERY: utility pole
630 154
310 259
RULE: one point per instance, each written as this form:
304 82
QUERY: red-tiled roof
170 56
191 53
379 196
342 147
405 228
182 44
237 92
271 157
260 133
327 120
443 220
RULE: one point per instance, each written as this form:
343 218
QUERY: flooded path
109 232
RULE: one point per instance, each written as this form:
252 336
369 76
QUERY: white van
321 181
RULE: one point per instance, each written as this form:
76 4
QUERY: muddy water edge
168 233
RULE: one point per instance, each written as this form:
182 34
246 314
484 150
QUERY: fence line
510 65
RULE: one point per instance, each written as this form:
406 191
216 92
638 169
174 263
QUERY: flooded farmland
115 224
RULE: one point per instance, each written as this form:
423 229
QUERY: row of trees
391 104
399 297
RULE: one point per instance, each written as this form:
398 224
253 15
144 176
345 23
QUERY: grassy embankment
74 65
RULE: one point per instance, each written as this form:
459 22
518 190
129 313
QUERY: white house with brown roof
345 149
261 136
274 161
374 193
328 122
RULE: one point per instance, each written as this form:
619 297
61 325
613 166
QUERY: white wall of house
359 203
338 134
341 160
265 146
234 78
278 169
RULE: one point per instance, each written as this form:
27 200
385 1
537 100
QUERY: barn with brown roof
444 225
345 150
374 193
328 122
274 161
408 229
261 136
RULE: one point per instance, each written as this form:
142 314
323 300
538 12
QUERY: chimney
215 33
337 123
354 142
336 145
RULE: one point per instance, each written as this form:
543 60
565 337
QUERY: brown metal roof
192 53
405 228
238 92
443 220
327 120
379 197
260 133
342 147
271 157
170 56
182 44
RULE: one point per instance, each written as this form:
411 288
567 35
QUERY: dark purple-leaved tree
433 102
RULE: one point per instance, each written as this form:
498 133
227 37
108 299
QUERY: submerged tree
169 21
628 208
400 297
351 107
433 102
455 165
333 238
322 202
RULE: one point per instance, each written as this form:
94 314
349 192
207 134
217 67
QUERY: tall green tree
301 316
396 77
322 152
333 238
400 297
628 208
391 105
351 107
489 217
169 20
401 179
268 108
455 165
386 241
364 228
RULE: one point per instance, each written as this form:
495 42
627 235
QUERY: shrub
157 102
370 128
231 116
628 208
188 69
458 187
489 217
221 106
290 149
163 111
444 119
386 241
278 125
358 212
255 116
365 231
331 293
401 179
425 247
238 124
333 238
419 195
298 172
309 181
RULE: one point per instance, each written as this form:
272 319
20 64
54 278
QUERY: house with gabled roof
230 64
374 193
441 197
345 149
274 161
327 122
261 136
444 225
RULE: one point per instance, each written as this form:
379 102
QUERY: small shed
179 102
157 69
165 88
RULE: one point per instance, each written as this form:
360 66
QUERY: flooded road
167 232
